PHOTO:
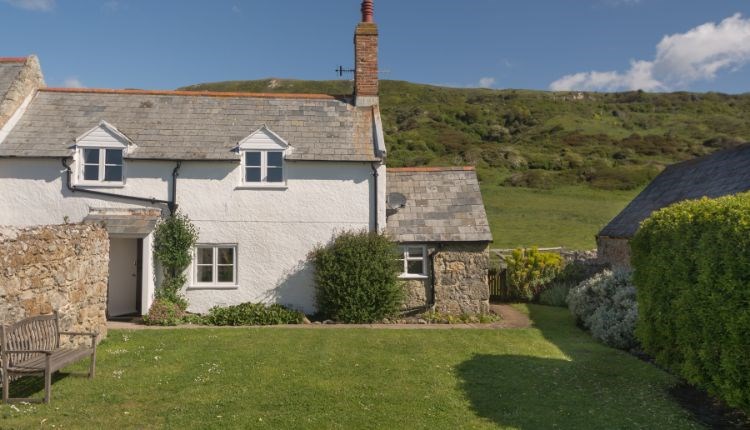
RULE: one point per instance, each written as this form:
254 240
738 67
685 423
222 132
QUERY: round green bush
356 278
606 305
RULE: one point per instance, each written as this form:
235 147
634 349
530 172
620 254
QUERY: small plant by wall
356 278
174 240
529 270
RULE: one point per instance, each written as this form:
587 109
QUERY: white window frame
405 258
263 169
215 284
102 164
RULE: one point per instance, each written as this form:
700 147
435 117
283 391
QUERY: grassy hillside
542 156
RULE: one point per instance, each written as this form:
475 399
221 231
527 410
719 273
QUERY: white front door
123 277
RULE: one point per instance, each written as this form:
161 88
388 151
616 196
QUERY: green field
567 216
550 376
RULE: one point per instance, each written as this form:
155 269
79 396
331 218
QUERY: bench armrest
93 336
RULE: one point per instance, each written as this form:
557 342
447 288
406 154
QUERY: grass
549 376
567 216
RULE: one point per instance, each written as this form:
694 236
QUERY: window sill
212 287
261 187
413 277
100 185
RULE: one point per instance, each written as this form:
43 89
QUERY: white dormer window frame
100 158
263 160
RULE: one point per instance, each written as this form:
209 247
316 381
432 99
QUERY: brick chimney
366 58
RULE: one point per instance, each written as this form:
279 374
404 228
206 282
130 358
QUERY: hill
536 147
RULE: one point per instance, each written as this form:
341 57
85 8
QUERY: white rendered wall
274 229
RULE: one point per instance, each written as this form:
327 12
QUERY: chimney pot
368 11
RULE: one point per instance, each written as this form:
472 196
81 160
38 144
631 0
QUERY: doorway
125 267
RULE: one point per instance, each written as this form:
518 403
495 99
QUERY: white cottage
264 177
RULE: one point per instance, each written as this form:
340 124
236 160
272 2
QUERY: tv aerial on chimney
341 70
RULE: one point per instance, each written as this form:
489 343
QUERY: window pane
91 156
91 173
415 252
226 255
226 273
205 255
113 173
252 174
275 174
415 267
205 274
274 159
252 159
113 156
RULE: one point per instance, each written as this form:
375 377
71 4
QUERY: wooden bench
32 346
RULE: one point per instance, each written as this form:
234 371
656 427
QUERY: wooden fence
498 285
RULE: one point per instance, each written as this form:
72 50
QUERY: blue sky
539 44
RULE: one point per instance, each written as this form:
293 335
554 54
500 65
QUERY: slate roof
181 125
9 70
722 173
442 205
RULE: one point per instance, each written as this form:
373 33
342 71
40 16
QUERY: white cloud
73 82
236 9
111 6
39 5
486 82
681 59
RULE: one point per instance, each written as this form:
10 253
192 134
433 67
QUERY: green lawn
566 216
550 376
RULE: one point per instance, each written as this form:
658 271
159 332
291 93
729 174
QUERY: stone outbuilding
722 173
437 216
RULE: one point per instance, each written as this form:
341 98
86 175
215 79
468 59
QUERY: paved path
512 318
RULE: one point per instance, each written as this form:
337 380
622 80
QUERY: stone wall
614 252
29 80
460 273
61 267
459 279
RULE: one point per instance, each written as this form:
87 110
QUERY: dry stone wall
614 252
460 278
62 268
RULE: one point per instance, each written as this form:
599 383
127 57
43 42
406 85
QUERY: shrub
606 305
575 272
253 314
692 271
163 312
529 270
174 239
356 278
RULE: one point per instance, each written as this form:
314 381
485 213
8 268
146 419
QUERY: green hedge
692 273
253 314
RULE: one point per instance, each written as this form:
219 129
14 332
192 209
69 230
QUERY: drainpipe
375 175
171 204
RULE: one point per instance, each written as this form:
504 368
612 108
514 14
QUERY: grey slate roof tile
442 205
178 126
719 174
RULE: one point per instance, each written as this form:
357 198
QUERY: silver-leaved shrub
606 305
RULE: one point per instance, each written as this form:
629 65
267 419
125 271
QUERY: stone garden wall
614 252
459 278
62 267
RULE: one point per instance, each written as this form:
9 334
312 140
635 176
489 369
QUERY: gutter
171 204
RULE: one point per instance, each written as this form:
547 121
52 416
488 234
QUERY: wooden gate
498 285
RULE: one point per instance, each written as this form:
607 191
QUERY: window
216 265
101 165
264 167
414 261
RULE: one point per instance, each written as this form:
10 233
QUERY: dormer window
101 165
100 153
263 154
264 167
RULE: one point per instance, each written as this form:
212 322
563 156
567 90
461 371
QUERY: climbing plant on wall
174 240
